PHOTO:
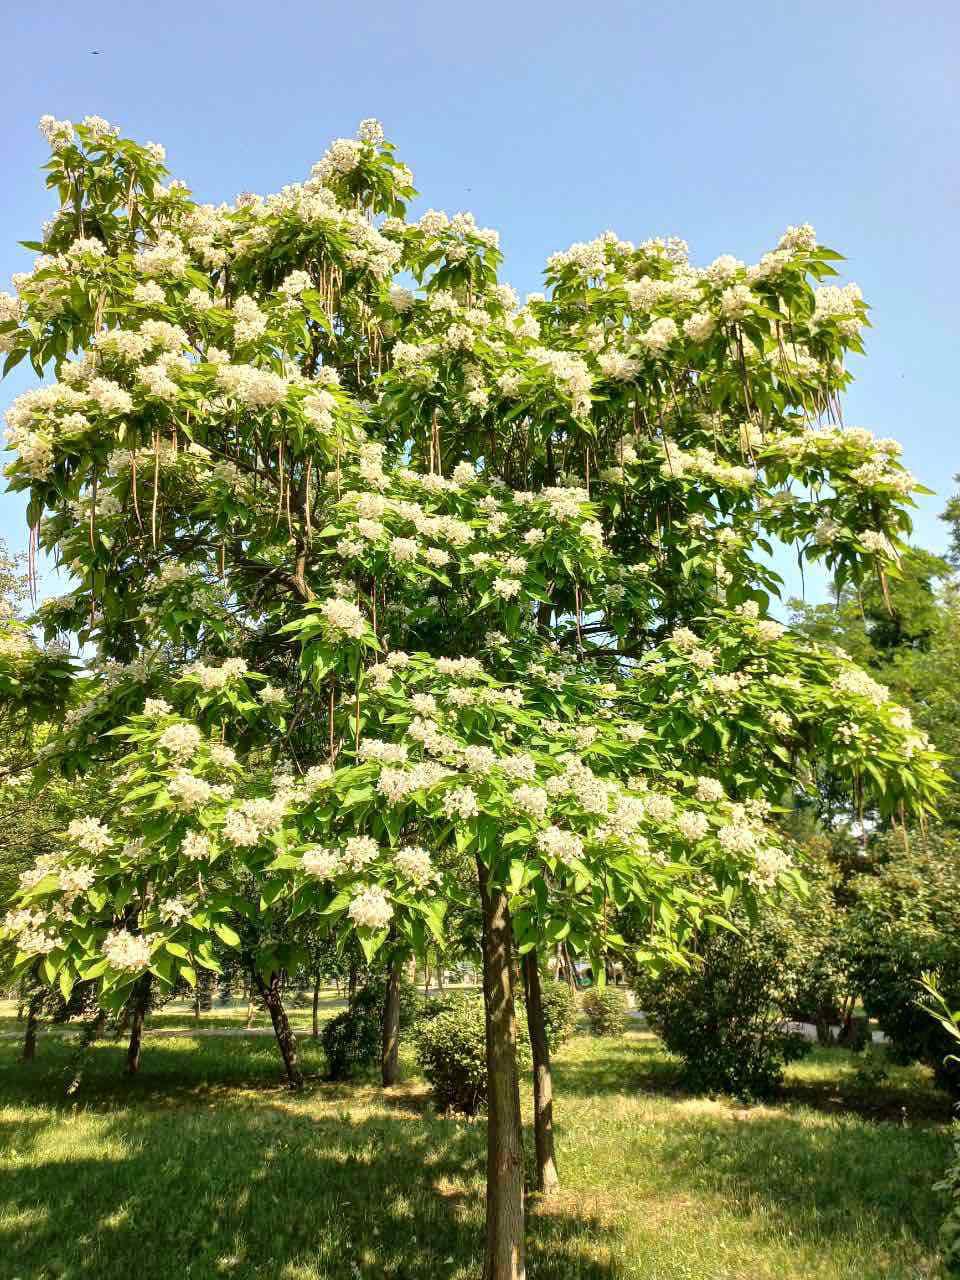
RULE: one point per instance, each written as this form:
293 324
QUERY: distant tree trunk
548 1179
569 972
30 1034
390 1047
440 973
426 977
89 1035
286 1040
251 1003
141 1002
352 980
316 1007
205 984
505 1247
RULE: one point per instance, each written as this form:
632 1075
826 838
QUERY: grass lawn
204 1166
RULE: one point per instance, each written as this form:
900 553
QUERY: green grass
204 1166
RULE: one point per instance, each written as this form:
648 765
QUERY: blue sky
554 121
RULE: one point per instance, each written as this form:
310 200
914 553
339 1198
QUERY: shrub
904 923
820 986
950 1230
371 996
352 1040
606 1011
452 1053
725 1015
559 1012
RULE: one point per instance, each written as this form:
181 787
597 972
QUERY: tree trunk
286 1040
569 972
548 1180
352 980
390 1047
30 1034
440 973
251 1002
89 1035
141 1001
316 1007
505 1247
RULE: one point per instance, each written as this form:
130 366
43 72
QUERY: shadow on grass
814 1179
184 1171
635 1065
206 1166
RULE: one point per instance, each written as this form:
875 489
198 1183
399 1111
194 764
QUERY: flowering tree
404 594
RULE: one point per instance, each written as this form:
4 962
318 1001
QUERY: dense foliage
725 1015
451 1051
904 924
352 1039
606 1010
559 1004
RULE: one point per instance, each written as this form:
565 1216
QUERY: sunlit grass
204 1166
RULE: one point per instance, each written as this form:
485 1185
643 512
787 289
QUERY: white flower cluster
90 834
856 682
461 803
196 847
320 862
211 678
414 864
343 617
249 821
371 909
566 846
188 791
157 707
181 741
126 950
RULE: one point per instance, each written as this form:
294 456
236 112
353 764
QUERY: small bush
371 996
606 1011
452 1052
725 1015
353 1039
559 1012
350 1041
904 923
950 1230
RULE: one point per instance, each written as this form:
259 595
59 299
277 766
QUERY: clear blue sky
553 121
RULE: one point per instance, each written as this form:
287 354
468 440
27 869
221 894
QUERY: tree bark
548 1179
30 1034
89 1035
251 1003
505 1255
390 1047
316 1007
569 972
286 1040
141 1001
